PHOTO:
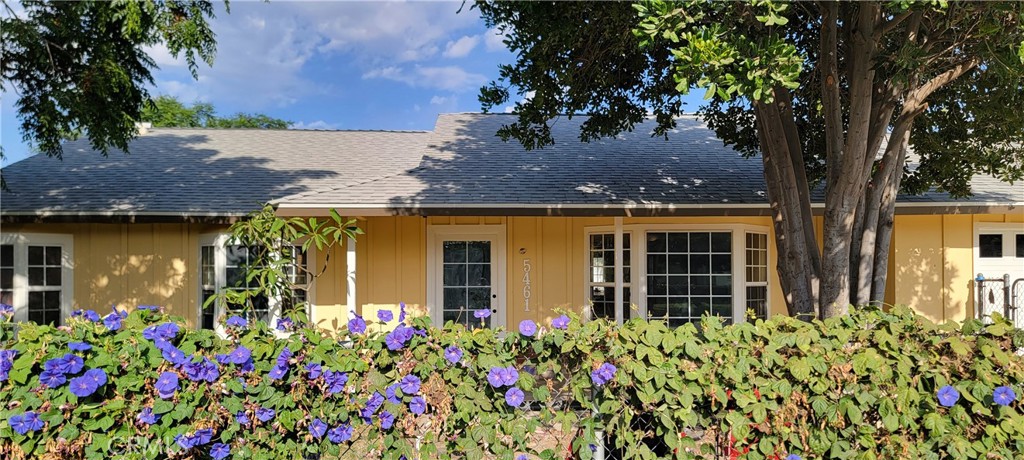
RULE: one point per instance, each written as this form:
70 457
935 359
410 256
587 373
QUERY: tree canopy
166 112
816 89
81 68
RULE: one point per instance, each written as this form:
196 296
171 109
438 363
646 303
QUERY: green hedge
869 385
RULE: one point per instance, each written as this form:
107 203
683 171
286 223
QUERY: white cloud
461 47
439 100
319 124
446 78
493 40
264 50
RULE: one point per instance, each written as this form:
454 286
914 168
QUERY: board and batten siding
932 270
391 260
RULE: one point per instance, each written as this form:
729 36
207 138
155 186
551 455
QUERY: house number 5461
526 283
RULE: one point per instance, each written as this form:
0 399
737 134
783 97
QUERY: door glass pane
7 274
990 246
1020 245
466 282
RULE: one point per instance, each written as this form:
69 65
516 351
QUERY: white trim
634 205
495 233
638 248
618 271
1009 230
350 277
21 242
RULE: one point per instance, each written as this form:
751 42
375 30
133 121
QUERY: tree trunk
789 198
847 171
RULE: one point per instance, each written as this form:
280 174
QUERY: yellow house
456 221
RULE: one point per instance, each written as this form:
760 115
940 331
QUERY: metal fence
1000 295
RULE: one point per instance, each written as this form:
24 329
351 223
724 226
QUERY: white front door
466 274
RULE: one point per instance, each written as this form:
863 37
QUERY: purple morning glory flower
166 385
522 457
1004 395
83 386
527 328
203 436
282 359
482 313
90 315
393 341
147 308
79 346
6 309
71 364
52 378
314 370
220 451
96 375
166 331
374 403
496 376
335 381
236 321
247 366
948 396
264 414
511 376
203 369
318 428
385 315
417 405
603 374
401 312
26 422
186 441
794 457
410 384
561 322
357 325
148 417
277 372
340 434
239 355
453 354
112 321
285 324
387 420
173 355
242 418
514 397
390 394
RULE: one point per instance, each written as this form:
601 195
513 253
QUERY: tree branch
890 25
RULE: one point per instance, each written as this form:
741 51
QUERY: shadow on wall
178 172
925 281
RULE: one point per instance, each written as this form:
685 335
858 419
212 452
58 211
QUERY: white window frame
435 293
588 284
768 276
21 242
1009 261
220 241
638 262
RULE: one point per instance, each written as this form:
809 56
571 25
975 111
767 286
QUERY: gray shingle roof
203 171
466 164
459 164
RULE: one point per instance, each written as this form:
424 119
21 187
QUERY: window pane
656 242
990 246
678 242
480 251
53 255
479 274
454 275
35 255
700 242
454 251
1020 245
721 242
6 278
603 299
53 276
757 302
36 276
7 255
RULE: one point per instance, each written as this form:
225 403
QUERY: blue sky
331 65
